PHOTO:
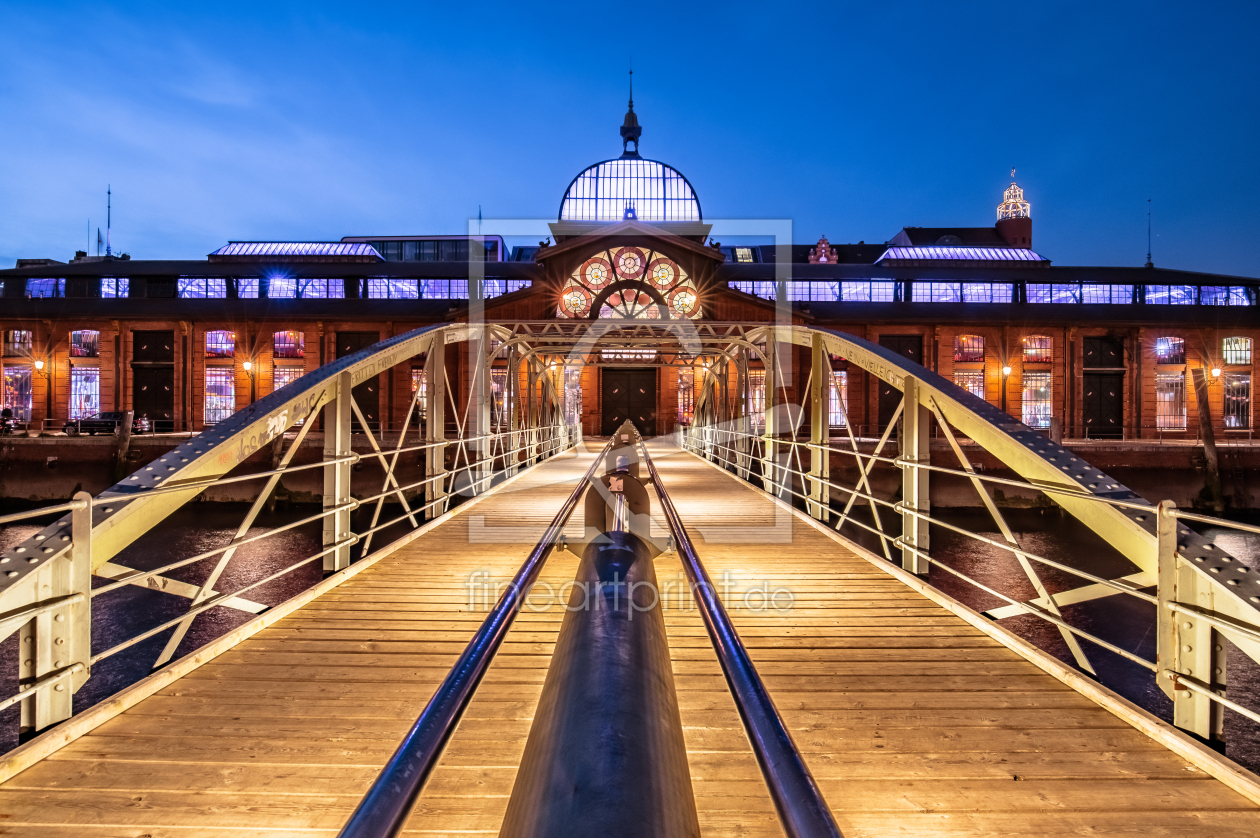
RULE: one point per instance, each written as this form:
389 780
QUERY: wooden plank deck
913 721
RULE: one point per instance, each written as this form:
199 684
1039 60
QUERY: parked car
105 423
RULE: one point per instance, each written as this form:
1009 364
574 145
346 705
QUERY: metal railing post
915 449
435 424
1185 644
819 422
337 475
55 646
770 448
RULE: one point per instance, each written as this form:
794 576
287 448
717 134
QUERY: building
1107 352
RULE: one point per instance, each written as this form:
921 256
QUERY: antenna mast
1149 263
109 217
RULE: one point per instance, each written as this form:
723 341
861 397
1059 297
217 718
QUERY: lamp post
249 370
39 368
1006 372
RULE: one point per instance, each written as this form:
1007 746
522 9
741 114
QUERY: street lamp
249 370
1006 371
39 368
1216 372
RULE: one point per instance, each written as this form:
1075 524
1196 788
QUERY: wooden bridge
916 715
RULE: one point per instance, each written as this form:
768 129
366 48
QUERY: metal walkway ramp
913 720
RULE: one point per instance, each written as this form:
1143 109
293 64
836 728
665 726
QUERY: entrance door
153 395
628 394
1102 404
366 395
907 346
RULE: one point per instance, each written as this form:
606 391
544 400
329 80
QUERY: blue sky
318 120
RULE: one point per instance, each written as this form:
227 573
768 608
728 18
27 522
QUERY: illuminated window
1170 401
284 376
1171 295
392 289
114 287
220 344
202 288
1036 400
1223 295
686 396
45 288
1108 294
247 289
938 292
1238 400
420 385
968 348
220 394
1037 349
85 344
1054 293
1237 350
986 292
743 254
1170 351
838 406
827 292
19 342
573 395
654 191
288 345
756 407
498 399
863 291
970 380
85 392
17 392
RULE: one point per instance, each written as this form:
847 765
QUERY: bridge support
770 448
1187 645
819 431
55 641
435 428
915 448
337 475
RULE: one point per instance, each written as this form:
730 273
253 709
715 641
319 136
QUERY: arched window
1237 350
969 348
1037 349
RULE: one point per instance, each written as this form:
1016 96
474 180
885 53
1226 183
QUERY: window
220 344
288 345
686 396
1223 295
45 288
498 400
85 344
1238 400
1056 293
756 407
868 292
420 386
284 376
17 392
115 287
1108 294
573 395
1170 401
743 254
986 292
247 289
1170 351
827 292
517 285
202 288
19 342
1237 350
1037 349
220 394
85 392
938 292
1171 295
969 348
838 406
1036 399
970 380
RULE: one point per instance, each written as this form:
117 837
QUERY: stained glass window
220 394
653 287
85 392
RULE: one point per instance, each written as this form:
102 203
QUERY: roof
968 236
951 253
350 249
605 191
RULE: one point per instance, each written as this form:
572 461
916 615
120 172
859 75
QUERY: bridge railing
376 490
1200 595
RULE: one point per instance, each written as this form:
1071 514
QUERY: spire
1013 204
630 129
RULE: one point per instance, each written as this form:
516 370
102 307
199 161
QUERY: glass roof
297 249
609 191
969 254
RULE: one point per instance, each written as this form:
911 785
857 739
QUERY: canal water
1125 621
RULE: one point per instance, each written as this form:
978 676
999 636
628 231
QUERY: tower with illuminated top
1014 217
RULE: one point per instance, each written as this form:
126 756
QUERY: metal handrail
383 811
800 804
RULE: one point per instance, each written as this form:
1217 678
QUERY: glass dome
630 188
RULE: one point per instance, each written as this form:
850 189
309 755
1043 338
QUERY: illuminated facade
1100 352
